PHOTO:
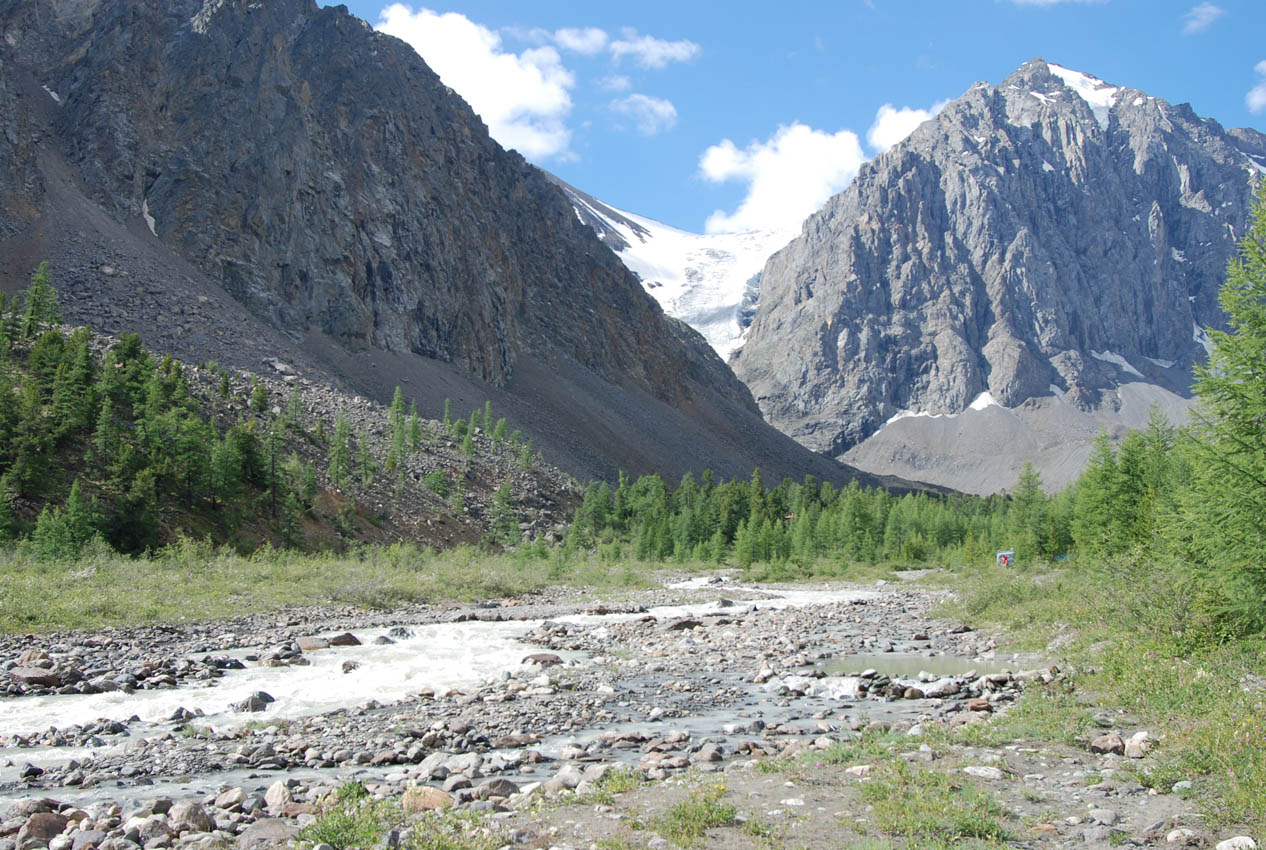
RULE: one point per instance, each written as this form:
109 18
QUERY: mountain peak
1006 248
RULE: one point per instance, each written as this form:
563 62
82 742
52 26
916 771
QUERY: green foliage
505 523
259 398
687 822
803 528
340 453
1227 500
930 806
414 427
437 482
40 310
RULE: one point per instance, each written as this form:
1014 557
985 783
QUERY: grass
615 781
352 820
1150 647
686 822
194 581
932 807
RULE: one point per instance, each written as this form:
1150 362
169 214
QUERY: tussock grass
933 808
350 819
191 580
686 822
1149 640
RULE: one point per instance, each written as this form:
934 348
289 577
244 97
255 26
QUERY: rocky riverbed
673 684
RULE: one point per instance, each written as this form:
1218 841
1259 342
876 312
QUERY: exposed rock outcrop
290 160
1048 236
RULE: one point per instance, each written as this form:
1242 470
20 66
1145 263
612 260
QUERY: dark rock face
251 181
1000 248
329 180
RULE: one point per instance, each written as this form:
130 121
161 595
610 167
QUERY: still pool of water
905 665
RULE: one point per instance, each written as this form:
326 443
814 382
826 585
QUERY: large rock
424 798
189 814
267 833
37 677
39 829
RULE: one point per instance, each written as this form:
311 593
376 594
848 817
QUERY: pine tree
41 312
1229 498
364 460
259 398
415 427
505 523
340 453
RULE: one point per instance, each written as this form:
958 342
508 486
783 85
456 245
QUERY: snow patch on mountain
1100 96
706 280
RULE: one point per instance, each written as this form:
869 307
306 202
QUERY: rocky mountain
247 181
1035 263
709 281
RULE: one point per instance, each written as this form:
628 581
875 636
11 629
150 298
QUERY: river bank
495 708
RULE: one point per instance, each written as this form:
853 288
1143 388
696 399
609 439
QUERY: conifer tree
40 310
340 452
1229 497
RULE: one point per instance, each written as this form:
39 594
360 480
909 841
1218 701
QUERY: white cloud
1256 97
524 98
651 115
892 125
1200 17
651 52
789 176
615 82
588 41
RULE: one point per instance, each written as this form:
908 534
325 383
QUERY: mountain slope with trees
241 181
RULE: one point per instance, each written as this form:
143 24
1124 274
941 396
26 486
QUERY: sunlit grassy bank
1142 639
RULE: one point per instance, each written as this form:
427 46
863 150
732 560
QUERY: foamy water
444 655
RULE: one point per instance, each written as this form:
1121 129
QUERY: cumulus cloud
1256 97
524 98
1199 18
892 124
651 115
650 52
588 41
789 176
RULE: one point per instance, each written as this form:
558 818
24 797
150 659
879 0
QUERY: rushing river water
442 655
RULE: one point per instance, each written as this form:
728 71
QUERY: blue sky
742 114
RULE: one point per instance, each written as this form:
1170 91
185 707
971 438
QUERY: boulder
424 798
277 795
39 829
230 800
267 833
1109 743
35 677
345 639
312 644
189 814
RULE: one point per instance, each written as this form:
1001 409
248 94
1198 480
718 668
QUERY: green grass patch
195 581
926 806
689 820
350 819
1154 648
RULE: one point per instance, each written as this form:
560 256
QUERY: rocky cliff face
257 180
325 175
1048 237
